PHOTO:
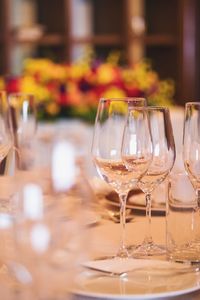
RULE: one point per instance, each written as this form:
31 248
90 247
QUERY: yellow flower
79 70
140 75
38 66
163 95
58 72
29 85
119 107
114 92
45 69
105 74
2 84
116 106
3 97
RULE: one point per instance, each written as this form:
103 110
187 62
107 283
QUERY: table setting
108 211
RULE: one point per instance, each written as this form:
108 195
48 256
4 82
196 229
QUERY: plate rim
77 291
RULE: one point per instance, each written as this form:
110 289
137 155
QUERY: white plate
144 284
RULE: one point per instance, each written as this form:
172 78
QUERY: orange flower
52 109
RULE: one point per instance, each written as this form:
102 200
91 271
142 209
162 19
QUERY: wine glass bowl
108 151
137 145
23 125
191 145
23 116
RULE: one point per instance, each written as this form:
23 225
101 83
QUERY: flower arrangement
73 90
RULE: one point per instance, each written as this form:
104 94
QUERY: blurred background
165 32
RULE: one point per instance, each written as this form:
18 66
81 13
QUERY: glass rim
192 103
20 94
158 107
149 108
123 99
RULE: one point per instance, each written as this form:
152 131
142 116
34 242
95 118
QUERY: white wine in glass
107 151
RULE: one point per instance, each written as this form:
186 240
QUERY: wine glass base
148 249
189 253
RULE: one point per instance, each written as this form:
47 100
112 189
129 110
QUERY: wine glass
191 158
23 116
50 225
107 150
23 120
5 134
161 165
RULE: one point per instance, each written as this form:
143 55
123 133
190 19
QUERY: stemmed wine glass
23 120
107 149
49 224
162 163
23 116
191 157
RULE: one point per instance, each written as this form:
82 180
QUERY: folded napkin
125 265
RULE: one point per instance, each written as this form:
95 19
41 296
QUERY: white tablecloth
104 234
104 240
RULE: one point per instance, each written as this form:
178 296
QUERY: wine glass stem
148 237
122 250
194 216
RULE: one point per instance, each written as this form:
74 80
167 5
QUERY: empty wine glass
107 150
23 116
161 165
191 158
50 224
23 122
5 135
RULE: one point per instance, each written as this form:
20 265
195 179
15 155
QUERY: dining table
104 239
103 232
